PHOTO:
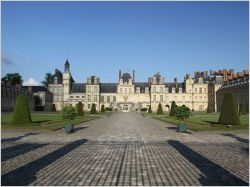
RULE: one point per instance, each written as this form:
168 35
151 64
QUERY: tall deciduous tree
12 79
47 78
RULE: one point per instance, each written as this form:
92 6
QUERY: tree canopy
12 79
46 79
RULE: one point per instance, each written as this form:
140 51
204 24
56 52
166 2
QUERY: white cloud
30 82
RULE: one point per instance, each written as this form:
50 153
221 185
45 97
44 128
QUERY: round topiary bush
182 112
68 113
80 109
172 110
93 109
21 112
159 109
229 114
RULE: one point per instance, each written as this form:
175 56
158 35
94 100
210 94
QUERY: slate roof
108 87
142 86
36 89
78 88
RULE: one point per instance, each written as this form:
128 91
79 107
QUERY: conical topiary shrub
21 112
80 109
149 109
93 109
229 114
159 109
102 109
172 110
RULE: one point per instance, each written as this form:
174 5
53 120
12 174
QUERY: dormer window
55 80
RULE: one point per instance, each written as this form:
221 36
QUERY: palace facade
127 94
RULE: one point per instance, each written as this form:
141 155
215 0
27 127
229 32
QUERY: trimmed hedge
21 112
93 109
172 110
80 109
229 114
159 109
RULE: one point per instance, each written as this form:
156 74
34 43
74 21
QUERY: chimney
133 75
120 74
232 73
30 89
224 75
175 82
206 74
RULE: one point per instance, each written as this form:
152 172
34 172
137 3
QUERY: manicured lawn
205 122
44 121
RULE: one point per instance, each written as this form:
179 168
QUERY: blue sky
100 38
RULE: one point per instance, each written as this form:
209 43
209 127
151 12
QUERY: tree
93 109
182 112
21 112
149 109
229 113
12 79
242 110
109 109
159 109
102 109
80 109
53 108
172 110
47 78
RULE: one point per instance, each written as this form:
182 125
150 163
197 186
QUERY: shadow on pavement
79 128
214 174
17 150
26 174
237 138
17 138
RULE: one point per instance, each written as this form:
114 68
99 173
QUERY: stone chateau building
127 94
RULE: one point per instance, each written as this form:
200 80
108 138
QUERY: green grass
205 122
43 121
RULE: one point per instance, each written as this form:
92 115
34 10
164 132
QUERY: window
154 89
88 106
161 98
89 97
129 90
161 89
154 97
95 89
88 89
121 90
200 90
108 98
71 97
77 96
200 107
205 90
195 89
95 98
114 98
102 98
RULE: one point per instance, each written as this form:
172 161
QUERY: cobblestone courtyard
124 149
